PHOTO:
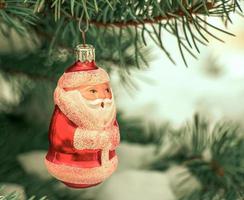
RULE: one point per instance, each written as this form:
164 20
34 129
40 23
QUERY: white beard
97 111
85 113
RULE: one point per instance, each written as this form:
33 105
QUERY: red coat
61 148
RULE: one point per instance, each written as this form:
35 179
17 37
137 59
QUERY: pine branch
215 158
166 14
16 196
134 22
17 15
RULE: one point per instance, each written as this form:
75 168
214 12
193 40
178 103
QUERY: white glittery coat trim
82 175
96 139
75 79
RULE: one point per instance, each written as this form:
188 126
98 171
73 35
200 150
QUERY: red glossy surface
61 150
77 186
82 66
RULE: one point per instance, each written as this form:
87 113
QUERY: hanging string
83 27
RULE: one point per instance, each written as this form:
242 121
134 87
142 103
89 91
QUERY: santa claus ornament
83 132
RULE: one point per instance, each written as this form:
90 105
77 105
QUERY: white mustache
99 101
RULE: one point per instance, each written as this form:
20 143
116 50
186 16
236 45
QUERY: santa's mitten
91 139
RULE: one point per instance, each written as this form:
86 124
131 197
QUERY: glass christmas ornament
83 132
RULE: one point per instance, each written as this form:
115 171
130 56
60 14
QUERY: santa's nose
102 95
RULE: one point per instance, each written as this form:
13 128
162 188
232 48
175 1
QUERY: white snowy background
174 93
166 93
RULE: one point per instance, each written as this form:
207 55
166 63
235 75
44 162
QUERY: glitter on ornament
83 132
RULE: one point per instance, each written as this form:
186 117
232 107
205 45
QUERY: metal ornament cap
85 53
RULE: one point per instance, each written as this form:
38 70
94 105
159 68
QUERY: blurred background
160 100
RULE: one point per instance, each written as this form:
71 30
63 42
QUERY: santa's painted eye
93 91
108 90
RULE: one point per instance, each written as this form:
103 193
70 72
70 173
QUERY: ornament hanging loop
83 27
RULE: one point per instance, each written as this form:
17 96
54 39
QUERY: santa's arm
114 133
90 139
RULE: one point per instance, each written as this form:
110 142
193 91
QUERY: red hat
84 71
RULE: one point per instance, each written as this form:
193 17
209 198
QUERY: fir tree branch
105 14
152 20
215 157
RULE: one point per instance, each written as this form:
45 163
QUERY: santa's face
93 103
95 95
